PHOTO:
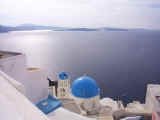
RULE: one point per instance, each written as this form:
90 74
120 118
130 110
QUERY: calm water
122 63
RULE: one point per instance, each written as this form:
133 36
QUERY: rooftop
6 54
85 87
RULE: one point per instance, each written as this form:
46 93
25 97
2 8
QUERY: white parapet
63 114
14 105
14 83
137 107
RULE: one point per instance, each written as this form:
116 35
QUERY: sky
82 13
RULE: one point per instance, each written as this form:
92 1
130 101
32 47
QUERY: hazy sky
92 13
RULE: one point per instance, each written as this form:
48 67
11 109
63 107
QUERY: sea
121 62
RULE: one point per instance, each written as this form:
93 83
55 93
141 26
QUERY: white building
33 79
153 100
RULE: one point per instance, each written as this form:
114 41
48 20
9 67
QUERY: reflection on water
121 62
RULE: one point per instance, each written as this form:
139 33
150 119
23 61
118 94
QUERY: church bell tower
63 85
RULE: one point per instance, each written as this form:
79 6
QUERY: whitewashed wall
38 85
35 82
15 105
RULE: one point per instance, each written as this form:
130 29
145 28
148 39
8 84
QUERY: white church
84 93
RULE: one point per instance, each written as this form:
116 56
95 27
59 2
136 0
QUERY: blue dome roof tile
84 87
63 76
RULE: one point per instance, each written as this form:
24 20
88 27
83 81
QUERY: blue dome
63 76
84 87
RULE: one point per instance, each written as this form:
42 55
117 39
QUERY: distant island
27 27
